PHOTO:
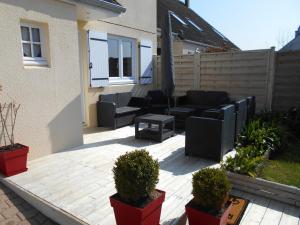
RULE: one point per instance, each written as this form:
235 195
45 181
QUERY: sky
252 24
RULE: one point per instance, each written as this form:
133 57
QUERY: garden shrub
244 162
210 188
265 136
136 175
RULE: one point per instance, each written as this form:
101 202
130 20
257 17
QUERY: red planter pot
128 215
197 217
13 162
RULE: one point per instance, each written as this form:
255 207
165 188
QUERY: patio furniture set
211 120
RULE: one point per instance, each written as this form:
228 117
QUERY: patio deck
73 187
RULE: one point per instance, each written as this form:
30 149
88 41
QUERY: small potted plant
210 205
13 156
137 202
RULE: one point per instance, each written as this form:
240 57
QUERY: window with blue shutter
146 62
98 59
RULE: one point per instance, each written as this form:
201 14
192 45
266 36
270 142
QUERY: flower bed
262 138
258 186
258 141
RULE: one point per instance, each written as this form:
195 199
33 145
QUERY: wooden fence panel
241 74
287 81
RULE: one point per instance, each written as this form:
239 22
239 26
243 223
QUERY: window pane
127 59
27 50
36 34
113 54
37 52
25 33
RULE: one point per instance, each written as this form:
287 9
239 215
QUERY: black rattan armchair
212 135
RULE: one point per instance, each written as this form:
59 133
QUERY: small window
113 53
32 45
127 59
178 18
121 57
195 25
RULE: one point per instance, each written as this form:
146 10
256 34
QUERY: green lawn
284 168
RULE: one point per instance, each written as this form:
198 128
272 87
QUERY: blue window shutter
98 59
146 62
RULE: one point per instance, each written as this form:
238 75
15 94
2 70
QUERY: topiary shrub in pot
137 202
210 205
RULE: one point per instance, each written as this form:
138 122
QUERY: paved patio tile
15 211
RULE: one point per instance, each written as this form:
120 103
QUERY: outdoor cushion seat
200 107
120 109
203 100
125 110
211 136
158 101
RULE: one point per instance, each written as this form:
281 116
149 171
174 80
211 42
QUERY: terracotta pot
197 217
129 215
14 161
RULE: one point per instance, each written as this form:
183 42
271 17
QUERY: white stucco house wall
54 61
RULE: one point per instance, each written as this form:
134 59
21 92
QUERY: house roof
293 45
112 5
195 28
112 2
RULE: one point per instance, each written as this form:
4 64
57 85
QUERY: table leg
160 130
137 124
173 126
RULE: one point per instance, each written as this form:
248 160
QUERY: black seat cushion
108 98
123 99
216 98
121 111
206 99
195 97
196 107
157 97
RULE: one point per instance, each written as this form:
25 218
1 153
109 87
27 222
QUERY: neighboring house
191 32
57 57
293 45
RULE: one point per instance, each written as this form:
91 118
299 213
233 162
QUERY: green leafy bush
244 162
210 188
266 133
136 175
264 136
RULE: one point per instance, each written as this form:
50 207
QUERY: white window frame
121 79
34 61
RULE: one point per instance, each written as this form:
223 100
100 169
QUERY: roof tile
209 35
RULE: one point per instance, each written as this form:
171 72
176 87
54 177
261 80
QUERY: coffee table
159 133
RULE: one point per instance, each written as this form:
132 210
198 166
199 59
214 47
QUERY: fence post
270 78
197 71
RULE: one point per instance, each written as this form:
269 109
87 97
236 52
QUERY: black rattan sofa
203 100
120 109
